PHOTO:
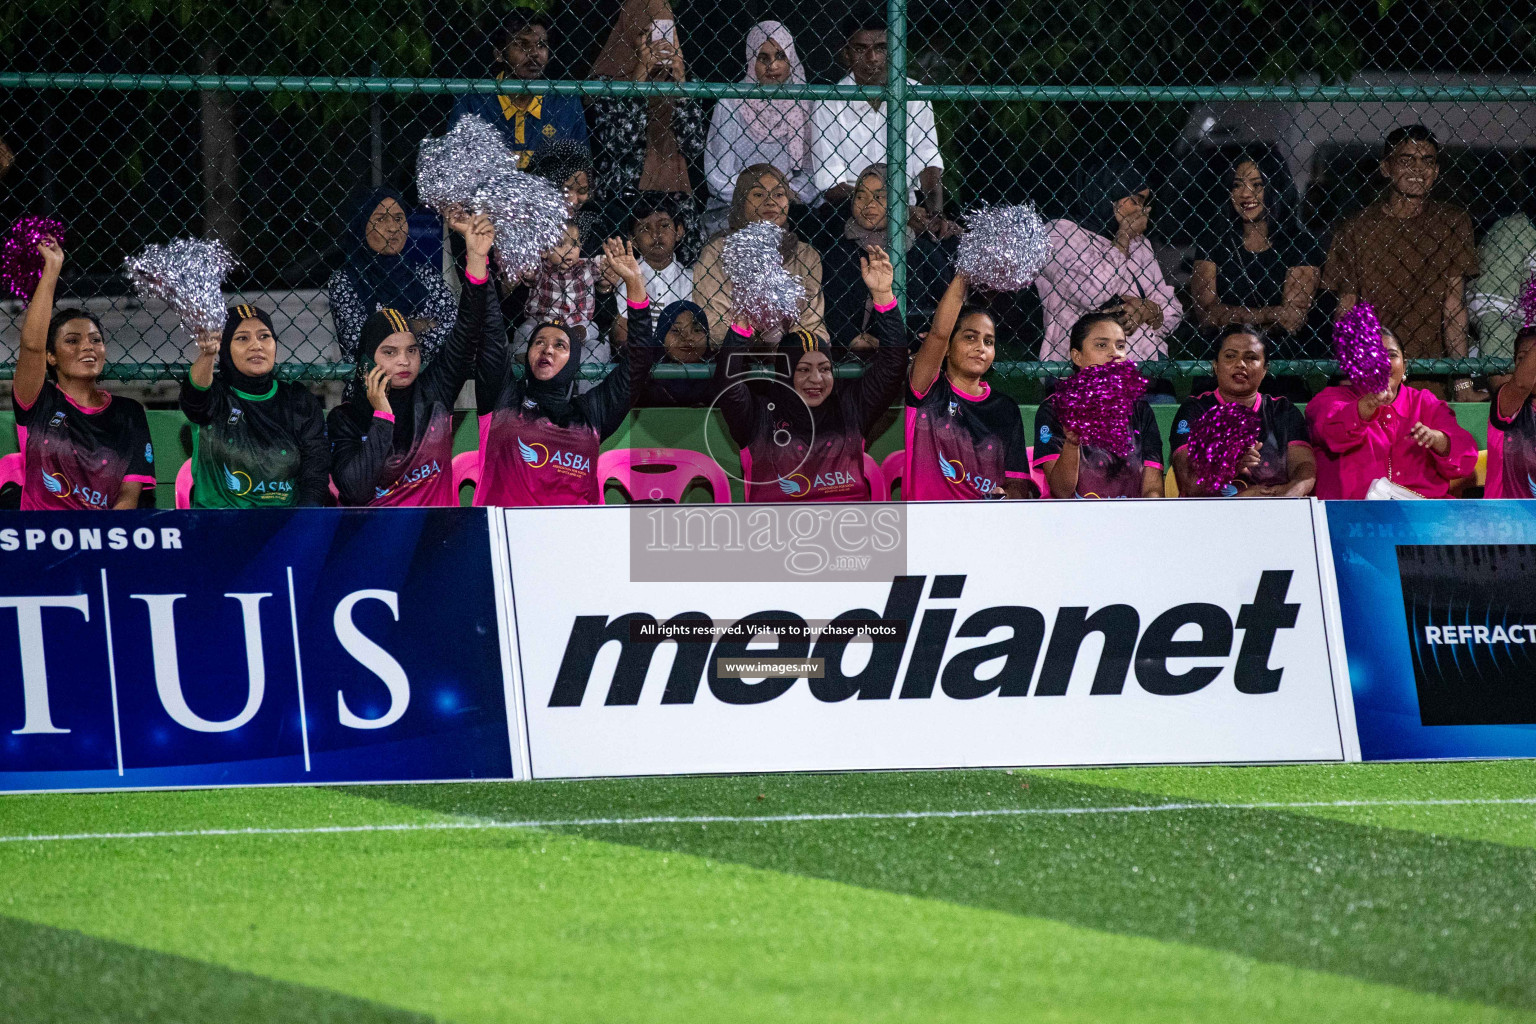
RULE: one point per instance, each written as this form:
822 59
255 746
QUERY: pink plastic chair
878 491
893 468
184 485
1036 474
466 470
12 469
668 473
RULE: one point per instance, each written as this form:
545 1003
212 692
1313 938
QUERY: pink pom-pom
1363 358
1527 303
21 265
1096 403
1217 441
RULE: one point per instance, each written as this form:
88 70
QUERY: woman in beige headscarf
644 145
762 193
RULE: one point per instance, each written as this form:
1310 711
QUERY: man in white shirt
849 136
655 226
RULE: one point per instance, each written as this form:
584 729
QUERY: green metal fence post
896 144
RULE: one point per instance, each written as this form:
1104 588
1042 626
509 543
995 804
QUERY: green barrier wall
650 428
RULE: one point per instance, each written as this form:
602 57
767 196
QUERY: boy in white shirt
655 226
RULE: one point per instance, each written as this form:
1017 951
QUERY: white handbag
1382 489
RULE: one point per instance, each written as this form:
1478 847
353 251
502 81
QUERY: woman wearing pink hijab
747 132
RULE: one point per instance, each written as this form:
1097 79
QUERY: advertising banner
148 649
1438 606
695 639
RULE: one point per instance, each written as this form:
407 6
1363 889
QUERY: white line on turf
721 819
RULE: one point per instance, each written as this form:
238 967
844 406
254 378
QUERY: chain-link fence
1201 164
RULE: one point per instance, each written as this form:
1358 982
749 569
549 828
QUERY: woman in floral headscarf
746 132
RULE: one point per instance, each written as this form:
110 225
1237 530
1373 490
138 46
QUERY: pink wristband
886 309
745 332
472 279
643 304
381 414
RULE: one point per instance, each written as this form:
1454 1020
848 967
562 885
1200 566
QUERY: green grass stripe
1508 823
54 976
526 926
271 807
1442 915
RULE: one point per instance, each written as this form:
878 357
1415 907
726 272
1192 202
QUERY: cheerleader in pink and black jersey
963 441
1075 470
1512 427
1281 463
83 448
811 448
541 446
392 438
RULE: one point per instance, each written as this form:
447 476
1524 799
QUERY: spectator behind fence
260 442
1508 261
746 132
1103 262
1512 427
813 449
762 194
376 274
849 309
541 445
532 121
963 440
849 135
683 328
1280 464
1076 470
647 145
568 166
564 291
1409 256
83 448
1404 435
392 436
1256 265
655 227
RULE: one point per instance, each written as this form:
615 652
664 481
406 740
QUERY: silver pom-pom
471 167
764 295
1004 249
187 274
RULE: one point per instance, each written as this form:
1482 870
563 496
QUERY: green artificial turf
1419 913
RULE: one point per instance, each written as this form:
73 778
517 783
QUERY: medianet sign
1077 634
1001 668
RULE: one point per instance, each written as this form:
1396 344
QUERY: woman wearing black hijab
541 445
809 445
392 439
260 442
377 274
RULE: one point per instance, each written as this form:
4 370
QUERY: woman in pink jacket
1404 434
1102 262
